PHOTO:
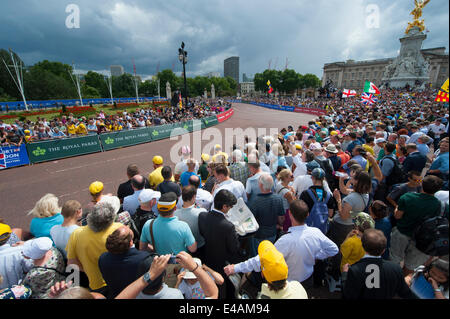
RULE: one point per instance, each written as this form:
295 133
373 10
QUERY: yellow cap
334 133
96 187
273 265
205 157
298 146
27 132
5 229
158 160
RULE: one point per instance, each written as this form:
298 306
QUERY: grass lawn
108 110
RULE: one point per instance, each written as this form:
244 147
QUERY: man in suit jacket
373 277
221 240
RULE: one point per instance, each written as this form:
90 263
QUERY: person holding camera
167 235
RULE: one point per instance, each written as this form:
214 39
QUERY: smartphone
172 260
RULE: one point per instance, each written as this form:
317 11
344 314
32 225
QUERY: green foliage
89 92
285 81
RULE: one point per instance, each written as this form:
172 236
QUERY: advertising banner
210 121
55 149
125 138
161 132
310 111
225 115
12 156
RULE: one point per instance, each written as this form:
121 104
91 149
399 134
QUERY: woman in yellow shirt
81 129
71 128
351 249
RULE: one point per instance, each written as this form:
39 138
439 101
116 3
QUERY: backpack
140 218
431 236
318 216
397 175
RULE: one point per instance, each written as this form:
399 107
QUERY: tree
89 92
97 81
165 76
149 88
289 81
233 84
123 86
57 68
310 81
42 84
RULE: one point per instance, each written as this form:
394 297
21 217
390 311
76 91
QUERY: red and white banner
225 115
310 111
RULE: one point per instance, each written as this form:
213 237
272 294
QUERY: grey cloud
309 33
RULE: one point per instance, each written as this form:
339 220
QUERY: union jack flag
2 161
368 99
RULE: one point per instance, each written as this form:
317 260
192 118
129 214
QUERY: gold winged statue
417 13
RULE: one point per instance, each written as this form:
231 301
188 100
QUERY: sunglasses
417 180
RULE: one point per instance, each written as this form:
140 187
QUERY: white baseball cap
380 140
37 248
191 275
147 195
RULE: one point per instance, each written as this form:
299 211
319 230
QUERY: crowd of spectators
340 203
72 126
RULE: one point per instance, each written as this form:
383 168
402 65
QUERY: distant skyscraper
117 70
231 68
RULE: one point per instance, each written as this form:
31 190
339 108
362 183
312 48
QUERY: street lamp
182 56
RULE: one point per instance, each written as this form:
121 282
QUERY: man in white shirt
302 183
224 181
301 247
13 265
438 129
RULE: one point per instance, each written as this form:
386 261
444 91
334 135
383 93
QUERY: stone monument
168 91
213 91
205 94
410 67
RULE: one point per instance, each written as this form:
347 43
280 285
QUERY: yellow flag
445 87
268 83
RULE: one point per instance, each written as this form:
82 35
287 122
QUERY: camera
172 260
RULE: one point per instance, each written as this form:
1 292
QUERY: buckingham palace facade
352 74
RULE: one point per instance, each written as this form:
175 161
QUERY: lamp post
182 56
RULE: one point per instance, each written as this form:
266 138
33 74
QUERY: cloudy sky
308 33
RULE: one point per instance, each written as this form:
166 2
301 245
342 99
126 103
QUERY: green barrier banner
61 148
161 132
119 139
210 121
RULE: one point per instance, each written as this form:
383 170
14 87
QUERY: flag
369 87
180 101
368 99
347 93
328 107
270 87
2 161
442 95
